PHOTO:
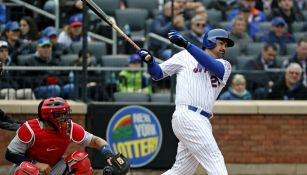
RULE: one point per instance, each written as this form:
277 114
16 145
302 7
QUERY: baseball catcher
39 145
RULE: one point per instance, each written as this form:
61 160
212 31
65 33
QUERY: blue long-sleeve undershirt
214 66
17 158
155 70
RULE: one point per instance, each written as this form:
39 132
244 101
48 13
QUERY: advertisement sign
135 132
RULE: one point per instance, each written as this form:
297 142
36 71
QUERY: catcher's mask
56 111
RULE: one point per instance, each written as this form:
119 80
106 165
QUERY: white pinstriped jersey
195 84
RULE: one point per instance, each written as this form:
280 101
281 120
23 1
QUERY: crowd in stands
269 35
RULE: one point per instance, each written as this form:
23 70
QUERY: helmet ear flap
208 43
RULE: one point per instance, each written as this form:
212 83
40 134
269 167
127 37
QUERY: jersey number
214 81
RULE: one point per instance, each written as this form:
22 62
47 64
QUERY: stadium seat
130 97
97 48
297 27
225 25
242 60
108 6
265 26
254 48
214 16
298 35
114 60
148 26
148 5
258 36
205 2
22 59
291 48
231 55
136 19
280 59
256 79
68 60
159 97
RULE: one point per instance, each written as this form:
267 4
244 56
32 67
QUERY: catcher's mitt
120 166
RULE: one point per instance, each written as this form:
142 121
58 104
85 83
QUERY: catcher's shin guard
27 168
78 163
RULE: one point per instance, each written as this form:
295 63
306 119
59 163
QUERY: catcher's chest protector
48 146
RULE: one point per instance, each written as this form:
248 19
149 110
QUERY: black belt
204 113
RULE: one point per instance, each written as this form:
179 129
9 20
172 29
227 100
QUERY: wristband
105 150
33 162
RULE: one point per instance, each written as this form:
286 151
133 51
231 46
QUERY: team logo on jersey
199 68
135 132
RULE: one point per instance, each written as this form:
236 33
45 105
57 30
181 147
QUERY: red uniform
48 145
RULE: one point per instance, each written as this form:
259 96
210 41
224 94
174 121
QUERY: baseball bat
100 13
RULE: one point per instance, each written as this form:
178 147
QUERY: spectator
11 34
304 28
195 35
58 49
9 82
253 14
162 24
265 60
300 4
279 35
223 6
134 80
8 123
265 6
92 84
202 11
300 57
238 90
238 33
47 83
189 8
29 30
73 32
290 87
91 60
287 11
2 13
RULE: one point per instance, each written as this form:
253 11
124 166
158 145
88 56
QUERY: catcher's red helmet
54 110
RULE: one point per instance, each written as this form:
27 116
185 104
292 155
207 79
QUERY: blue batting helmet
210 38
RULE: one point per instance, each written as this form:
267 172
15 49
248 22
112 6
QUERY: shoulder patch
77 133
25 133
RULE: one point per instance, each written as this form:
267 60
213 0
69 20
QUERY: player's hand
176 38
44 168
145 55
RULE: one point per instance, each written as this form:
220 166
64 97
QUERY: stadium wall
256 137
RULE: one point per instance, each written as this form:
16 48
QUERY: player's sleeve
17 148
207 61
79 136
227 72
173 65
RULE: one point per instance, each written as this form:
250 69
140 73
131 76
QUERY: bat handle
148 58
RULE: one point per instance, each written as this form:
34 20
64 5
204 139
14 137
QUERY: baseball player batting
201 75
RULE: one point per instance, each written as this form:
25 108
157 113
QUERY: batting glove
176 38
145 55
